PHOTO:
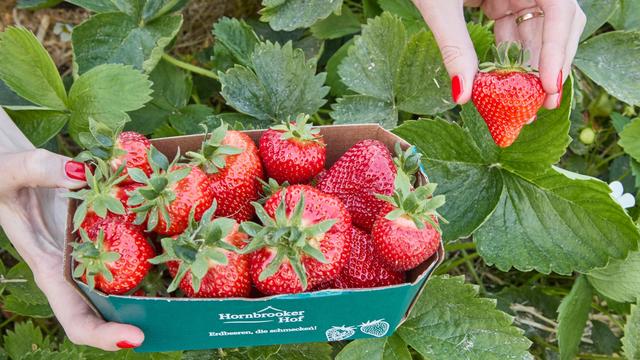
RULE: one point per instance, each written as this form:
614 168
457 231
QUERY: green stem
189 67
8 321
607 159
460 246
473 272
455 264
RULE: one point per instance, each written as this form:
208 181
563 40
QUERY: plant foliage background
542 262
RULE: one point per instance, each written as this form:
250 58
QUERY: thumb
446 21
40 168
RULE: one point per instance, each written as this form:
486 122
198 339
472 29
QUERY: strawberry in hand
507 93
407 233
293 152
304 240
204 261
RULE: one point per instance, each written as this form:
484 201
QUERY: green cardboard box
171 324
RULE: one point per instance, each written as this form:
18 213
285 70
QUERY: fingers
446 21
530 34
505 29
81 324
558 24
39 168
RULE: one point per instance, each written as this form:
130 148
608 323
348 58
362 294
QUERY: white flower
63 31
625 200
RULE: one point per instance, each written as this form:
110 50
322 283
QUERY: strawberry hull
329 315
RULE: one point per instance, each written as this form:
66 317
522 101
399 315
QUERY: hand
552 39
33 215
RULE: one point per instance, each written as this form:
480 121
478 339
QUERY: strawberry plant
541 239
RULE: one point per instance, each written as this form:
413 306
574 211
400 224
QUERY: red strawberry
121 193
406 233
507 95
131 148
304 240
293 152
167 197
364 269
112 256
203 260
231 159
363 171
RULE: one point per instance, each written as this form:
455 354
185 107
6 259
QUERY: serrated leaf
407 12
598 13
308 351
618 280
612 60
24 338
404 71
117 38
22 285
237 37
280 84
18 306
39 126
37 4
627 16
337 26
362 109
483 39
572 318
101 6
8 98
390 348
338 88
631 339
450 321
105 94
289 15
630 139
51 355
188 119
29 71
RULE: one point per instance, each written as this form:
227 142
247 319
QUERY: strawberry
407 233
364 268
364 170
231 160
507 94
168 195
203 260
112 256
293 151
304 240
131 149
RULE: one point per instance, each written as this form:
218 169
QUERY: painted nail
75 170
456 87
126 345
559 82
559 99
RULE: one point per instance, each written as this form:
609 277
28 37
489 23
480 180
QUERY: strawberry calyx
287 236
299 130
409 161
92 258
213 153
269 188
199 245
98 195
418 205
510 56
151 200
100 141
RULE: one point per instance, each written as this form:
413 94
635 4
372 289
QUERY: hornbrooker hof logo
268 314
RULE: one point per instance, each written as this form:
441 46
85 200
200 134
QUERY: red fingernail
126 345
456 87
559 98
559 82
75 170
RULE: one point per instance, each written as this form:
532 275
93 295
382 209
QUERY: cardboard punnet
173 324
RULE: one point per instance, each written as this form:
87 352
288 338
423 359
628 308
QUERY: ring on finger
528 16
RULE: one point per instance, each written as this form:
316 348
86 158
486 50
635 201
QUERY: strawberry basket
327 315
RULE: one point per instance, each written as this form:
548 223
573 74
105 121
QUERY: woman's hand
33 215
552 39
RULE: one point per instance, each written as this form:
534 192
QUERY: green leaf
483 39
237 37
308 351
24 338
631 339
389 348
627 17
29 71
20 283
630 139
450 321
362 109
337 26
572 318
18 306
117 38
338 88
612 60
9 98
388 65
37 4
101 6
188 119
604 340
39 126
598 13
407 11
280 84
619 279
293 14
106 93
619 121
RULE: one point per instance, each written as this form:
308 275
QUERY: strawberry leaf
337 25
631 339
39 126
572 318
392 347
24 338
289 15
618 280
630 139
237 37
279 84
597 12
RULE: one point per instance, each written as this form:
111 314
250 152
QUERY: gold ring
528 16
